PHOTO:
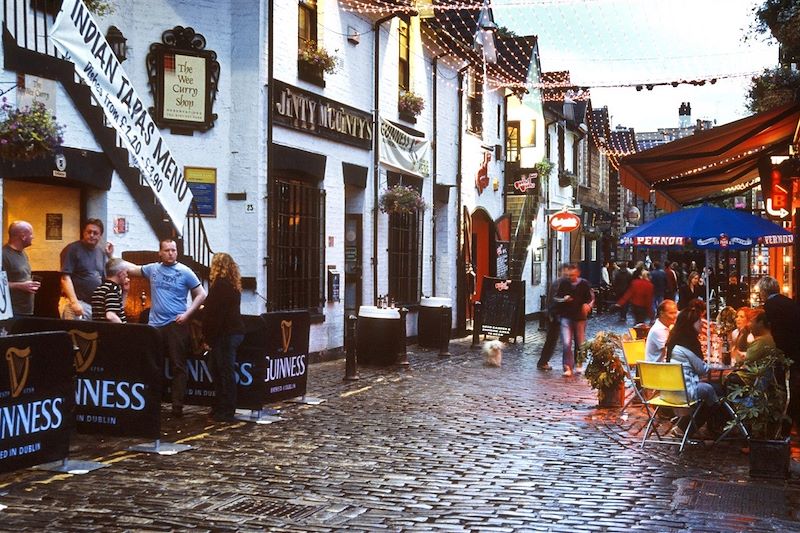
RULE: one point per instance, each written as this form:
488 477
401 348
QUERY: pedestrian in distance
621 283
659 279
671 283
83 267
108 303
640 297
553 320
223 331
692 290
18 268
170 284
577 299
736 293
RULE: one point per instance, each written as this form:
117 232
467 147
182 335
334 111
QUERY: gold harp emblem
286 334
18 367
86 348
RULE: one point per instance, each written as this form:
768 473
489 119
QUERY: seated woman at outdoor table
692 290
758 349
683 346
741 337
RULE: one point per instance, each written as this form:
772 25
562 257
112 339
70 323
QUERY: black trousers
553 333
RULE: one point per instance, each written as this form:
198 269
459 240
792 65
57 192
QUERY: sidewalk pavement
447 444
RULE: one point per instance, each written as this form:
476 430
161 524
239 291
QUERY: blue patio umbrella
708 228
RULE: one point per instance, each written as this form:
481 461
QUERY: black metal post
402 354
351 355
445 319
477 321
542 312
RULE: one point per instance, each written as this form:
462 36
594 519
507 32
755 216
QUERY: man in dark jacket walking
659 280
577 299
553 324
621 283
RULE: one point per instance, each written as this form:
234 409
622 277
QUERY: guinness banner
250 371
287 354
37 398
118 390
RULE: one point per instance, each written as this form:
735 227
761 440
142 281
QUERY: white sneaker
567 373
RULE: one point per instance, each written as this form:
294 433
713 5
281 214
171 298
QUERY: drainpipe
461 290
550 275
270 81
376 30
434 170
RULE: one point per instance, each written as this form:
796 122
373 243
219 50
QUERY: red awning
709 161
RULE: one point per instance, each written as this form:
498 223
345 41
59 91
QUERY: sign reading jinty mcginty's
311 113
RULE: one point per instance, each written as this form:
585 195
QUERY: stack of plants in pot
759 397
604 369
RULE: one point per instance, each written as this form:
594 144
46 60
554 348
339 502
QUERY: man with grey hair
783 314
108 302
18 267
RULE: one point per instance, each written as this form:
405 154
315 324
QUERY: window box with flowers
28 133
567 179
409 106
313 62
401 199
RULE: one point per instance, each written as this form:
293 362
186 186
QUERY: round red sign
565 221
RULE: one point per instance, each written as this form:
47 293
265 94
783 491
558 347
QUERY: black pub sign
523 181
311 113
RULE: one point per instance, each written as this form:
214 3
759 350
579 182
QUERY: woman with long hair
741 337
223 330
693 289
683 346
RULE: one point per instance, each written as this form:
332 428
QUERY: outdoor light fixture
484 37
117 41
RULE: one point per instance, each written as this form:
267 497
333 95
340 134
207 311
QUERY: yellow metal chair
634 353
666 377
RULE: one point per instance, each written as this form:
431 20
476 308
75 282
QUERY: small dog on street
493 353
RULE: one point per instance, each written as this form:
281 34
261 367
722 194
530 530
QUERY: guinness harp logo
18 367
286 334
86 348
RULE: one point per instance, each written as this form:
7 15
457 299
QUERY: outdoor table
379 335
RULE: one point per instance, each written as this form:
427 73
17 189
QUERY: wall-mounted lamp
118 43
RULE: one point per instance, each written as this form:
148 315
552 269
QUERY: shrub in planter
28 133
317 57
401 199
410 103
604 369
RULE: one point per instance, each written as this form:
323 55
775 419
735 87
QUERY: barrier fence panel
286 354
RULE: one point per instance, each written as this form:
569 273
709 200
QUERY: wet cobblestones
447 445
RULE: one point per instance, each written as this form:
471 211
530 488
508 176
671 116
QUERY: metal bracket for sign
161 448
69 466
258 416
306 400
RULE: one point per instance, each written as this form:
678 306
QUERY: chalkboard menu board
502 259
502 307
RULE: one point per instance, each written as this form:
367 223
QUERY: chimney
685 115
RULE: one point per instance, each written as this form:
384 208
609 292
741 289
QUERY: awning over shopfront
710 162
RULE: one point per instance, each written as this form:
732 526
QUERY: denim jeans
175 338
222 364
571 330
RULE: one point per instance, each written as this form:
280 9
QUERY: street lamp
117 41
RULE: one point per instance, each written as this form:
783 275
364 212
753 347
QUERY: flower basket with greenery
604 369
773 88
410 103
100 8
28 133
317 57
401 199
543 168
759 399
567 179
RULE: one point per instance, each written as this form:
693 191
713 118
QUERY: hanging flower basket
401 199
99 7
410 103
773 88
317 57
28 133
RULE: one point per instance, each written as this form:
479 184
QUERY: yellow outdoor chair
634 353
666 377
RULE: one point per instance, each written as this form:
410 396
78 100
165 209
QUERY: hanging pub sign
78 37
523 181
565 221
183 78
311 113
405 152
37 395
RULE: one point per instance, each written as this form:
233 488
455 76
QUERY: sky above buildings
623 42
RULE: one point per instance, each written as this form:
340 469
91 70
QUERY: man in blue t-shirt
170 284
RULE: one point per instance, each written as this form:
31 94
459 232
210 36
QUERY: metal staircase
523 232
28 49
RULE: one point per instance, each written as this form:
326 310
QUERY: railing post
477 320
351 357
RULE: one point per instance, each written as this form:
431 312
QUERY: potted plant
410 104
401 199
604 369
28 133
543 169
318 58
567 179
760 402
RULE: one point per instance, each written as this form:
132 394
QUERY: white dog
493 352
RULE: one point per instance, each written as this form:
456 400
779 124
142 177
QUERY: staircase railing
28 22
522 236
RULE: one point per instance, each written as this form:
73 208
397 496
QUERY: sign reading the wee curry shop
311 113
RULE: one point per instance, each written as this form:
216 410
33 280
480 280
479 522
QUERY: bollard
402 356
351 357
477 320
445 318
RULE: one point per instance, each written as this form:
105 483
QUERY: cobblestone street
448 444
